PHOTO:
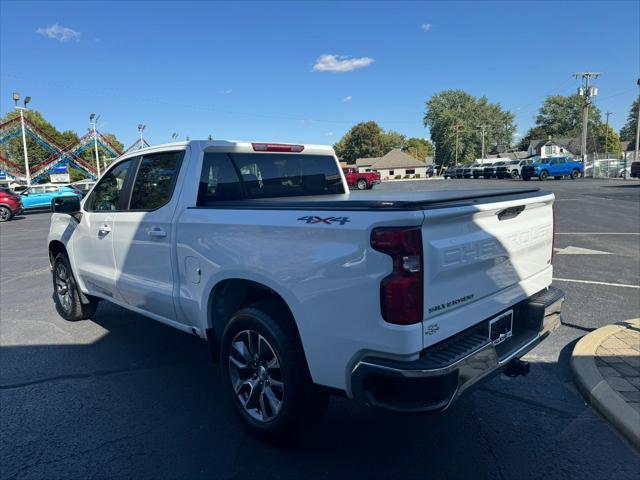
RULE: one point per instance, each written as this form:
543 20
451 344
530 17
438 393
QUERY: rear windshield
237 176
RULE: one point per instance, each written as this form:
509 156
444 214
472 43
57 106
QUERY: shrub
407 176
398 177
417 175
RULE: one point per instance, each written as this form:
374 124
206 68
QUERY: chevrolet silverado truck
512 168
557 167
399 300
360 180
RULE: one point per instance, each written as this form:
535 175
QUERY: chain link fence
600 165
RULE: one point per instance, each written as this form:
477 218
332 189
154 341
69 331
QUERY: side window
561 160
106 195
155 180
51 189
33 190
218 180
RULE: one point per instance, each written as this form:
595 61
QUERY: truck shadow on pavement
143 400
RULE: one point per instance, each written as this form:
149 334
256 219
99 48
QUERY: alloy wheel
63 287
256 376
5 214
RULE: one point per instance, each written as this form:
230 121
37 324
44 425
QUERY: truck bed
376 200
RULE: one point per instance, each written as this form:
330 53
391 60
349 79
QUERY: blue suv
40 196
556 167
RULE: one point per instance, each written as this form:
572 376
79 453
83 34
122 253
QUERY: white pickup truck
301 289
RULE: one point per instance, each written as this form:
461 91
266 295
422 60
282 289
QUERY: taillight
401 292
276 147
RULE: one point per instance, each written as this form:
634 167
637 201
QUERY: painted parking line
591 282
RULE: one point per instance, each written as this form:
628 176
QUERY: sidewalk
606 365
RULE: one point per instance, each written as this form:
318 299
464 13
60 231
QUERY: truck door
93 237
143 244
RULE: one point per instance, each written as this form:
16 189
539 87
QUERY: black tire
300 400
362 184
515 174
66 294
5 214
543 175
558 177
526 178
575 173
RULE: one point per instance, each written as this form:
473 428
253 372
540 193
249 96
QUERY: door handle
157 233
104 229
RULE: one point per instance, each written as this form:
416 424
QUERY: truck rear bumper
444 371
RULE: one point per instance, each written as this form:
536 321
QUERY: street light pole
16 98
93 120
141 128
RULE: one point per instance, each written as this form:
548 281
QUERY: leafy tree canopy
455 114
628 132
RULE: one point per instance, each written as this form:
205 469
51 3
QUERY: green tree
603 142
628 132
420 148
391 140
561 116
453 117
362 140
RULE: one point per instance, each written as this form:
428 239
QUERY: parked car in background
360 180
10 204
477 170
40 196
82 187
450 172
430 171
512 168
460 171
555 167
468 170
490 169
635 170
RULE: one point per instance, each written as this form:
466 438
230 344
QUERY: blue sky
256 70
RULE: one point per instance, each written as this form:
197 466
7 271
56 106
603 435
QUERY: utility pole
482 127
587 92
16 98
93 120
606 136
457 127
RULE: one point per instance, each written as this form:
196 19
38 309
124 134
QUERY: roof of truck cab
235 146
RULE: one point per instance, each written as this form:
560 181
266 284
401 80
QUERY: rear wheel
67 295
514 174
575 173
544 175
362 184
265 374
5 214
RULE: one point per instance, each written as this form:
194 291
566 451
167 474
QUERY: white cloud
225 92
340 63
426 27
347 98
328 134
62 34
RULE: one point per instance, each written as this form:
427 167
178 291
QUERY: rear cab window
235 176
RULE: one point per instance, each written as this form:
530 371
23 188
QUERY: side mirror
67 205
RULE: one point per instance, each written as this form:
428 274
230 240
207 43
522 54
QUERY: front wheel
5 214
543 175
265 374
575 173
514 174
362 184
67 295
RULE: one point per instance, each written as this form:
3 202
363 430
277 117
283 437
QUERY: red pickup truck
362 181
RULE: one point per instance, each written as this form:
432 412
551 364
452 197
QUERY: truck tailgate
474 251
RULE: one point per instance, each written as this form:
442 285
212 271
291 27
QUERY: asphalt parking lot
121 396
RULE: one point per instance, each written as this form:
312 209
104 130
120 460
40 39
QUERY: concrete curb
595 388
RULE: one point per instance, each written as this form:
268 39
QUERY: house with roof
395 164
557 147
